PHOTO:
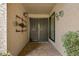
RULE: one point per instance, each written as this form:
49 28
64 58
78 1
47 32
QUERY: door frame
53 14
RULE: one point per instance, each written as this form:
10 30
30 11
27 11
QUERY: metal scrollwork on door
20 24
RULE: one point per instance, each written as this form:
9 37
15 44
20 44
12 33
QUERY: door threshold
40 42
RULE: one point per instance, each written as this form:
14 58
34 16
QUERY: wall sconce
59 14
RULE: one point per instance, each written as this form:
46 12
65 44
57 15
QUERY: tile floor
39 49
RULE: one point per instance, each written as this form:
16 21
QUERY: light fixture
59 14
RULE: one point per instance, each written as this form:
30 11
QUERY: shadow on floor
29 48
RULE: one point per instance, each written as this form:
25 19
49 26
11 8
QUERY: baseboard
24 46
50 41
39 42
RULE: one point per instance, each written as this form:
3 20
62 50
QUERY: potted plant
5 53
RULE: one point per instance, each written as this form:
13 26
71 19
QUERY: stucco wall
3 27
16 40
69 22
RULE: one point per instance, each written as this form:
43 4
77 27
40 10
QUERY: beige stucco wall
69 22
16 40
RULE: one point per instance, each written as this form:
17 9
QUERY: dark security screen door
39 29
33 30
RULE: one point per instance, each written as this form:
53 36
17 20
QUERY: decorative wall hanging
25 14
21 24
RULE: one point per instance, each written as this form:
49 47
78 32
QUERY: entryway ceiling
39 8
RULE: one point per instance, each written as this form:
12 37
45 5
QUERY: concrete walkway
39 49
